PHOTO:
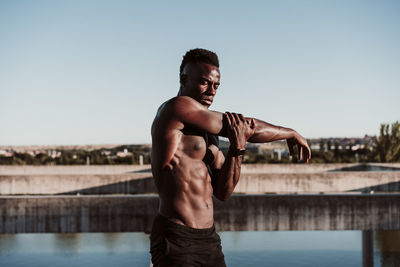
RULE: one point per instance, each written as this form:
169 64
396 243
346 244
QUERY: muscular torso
181 176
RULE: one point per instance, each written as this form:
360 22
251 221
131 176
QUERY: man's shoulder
179 104
181 100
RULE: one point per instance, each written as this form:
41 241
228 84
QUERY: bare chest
193 146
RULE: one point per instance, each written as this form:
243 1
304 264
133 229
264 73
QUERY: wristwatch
238 152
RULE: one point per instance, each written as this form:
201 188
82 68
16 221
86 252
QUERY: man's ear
183 79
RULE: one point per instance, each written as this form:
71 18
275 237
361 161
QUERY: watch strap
238 152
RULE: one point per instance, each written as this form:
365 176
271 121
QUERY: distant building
123 154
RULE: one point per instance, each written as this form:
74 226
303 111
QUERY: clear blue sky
95 72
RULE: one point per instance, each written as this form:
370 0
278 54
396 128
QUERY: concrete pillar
279 154
367 248
141 160
87 160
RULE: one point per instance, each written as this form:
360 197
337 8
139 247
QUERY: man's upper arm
189 111
219 160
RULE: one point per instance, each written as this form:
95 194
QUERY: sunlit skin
178 149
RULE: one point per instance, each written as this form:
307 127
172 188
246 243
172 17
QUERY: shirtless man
188 168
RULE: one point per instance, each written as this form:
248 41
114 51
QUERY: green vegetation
384 148
251 157
128 154
388 143
346 155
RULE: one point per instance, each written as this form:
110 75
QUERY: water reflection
7 242
388 244
291 240
66 243
111 241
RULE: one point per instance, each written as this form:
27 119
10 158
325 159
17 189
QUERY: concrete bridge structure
134 213
268 197
255 179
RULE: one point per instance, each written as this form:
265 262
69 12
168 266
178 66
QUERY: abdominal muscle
185 192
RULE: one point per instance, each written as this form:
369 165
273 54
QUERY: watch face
239 152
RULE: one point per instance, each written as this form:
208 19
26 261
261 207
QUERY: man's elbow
222 196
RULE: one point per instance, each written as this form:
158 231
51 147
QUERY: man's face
200 81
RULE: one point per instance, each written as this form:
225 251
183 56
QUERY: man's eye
204 82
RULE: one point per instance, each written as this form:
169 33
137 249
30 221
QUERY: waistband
170 224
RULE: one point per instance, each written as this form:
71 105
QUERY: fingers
240 127
253 124
308 150
297 152
242 118
301 153
234 118
304 153
307 154
228 117
237 118
231 118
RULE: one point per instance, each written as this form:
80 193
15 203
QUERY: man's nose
212 88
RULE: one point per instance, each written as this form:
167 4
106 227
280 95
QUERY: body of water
264 248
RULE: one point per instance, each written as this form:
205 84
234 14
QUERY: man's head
199 75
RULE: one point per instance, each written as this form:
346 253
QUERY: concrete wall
316 168
54 214
73 184
250 182
126 169
72 169
319 182
115 213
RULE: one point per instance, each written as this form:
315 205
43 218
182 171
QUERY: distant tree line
346 155
385 148
82 157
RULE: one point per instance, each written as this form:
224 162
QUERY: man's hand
304 151
239 129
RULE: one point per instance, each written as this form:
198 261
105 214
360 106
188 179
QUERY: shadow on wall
366 168
135 186
141 171
388 187
146 185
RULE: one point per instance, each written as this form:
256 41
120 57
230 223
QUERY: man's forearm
228 176
266 132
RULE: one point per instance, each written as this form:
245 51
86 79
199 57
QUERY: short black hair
198 55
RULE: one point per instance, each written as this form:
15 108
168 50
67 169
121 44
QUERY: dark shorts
173 244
